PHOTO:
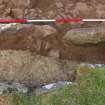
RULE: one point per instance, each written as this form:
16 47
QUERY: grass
89 90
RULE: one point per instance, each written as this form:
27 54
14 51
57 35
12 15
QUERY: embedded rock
12 87
52 86
93 35
44 30
11 28
38 30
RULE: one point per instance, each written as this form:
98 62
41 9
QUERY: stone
59 5
39 30
51 14
82 6
92 65
86 35
12 87
44 30
18 13
54 53
100 14
21 3
12 28
52 86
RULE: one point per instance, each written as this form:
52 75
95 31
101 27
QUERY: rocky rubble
31 69
52 9
21 88
92 65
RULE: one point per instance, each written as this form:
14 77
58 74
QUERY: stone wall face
52 9
78 44
84 42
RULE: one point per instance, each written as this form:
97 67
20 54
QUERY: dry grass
24 67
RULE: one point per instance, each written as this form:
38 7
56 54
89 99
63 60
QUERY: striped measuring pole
62 21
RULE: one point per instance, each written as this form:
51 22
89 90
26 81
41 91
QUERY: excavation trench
39 55
33 57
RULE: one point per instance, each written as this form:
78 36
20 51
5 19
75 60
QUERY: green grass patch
89 90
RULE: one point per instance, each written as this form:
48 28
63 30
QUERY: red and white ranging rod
64 20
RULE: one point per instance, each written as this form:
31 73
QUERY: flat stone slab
92 35
12 87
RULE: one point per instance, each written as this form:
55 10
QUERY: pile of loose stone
52 9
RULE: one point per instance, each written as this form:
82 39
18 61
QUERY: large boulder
13 87
38 30
93 35
44 30
11 28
